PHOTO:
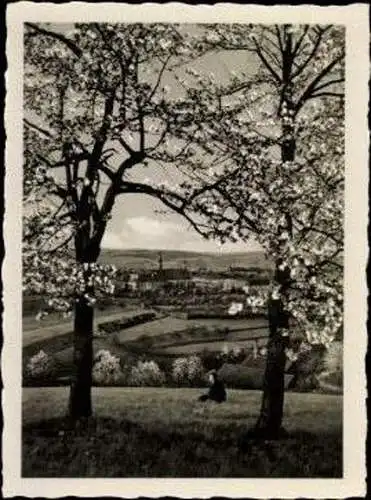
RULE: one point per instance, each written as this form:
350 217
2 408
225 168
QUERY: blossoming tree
284 126
262 155
96 110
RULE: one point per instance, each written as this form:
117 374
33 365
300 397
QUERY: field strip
226 339
50 331
197 347
45 333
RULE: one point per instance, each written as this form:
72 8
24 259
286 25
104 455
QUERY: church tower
160 265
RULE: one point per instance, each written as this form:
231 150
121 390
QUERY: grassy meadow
160 432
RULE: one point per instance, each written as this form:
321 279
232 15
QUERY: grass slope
152 432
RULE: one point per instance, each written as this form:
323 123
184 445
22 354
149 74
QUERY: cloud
150 227
112 240
154 233
144 232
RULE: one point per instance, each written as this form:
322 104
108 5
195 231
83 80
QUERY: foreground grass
167 433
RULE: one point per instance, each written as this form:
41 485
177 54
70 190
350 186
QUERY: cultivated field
158 432
50 327
56 338
172 324
201 346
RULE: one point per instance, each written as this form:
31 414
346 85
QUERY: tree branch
273 57
312 87
302 66
140 109
330 82
59 191
128 163
258 50
102 134
57 36
278 34
126 146
322 94
133 187
61 245
300 41
39 129
273 33
67 160
157 84
241 211
137 187
107 171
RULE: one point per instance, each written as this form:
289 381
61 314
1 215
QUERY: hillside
148 259
159 432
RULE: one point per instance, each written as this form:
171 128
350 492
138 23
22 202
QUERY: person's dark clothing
216 393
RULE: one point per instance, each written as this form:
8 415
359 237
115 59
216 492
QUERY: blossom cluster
187 370
40 365
146 373
63 282
106 368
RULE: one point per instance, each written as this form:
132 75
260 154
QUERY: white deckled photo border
355 19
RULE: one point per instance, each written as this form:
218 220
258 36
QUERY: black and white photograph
188 193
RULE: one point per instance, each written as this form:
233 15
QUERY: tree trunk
87 252
80 394
271 413
269 422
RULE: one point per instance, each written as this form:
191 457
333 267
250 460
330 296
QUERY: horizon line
133 249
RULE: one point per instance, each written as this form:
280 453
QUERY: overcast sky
135 223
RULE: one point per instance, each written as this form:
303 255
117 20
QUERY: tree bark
269 423
271 413
80 404
87 252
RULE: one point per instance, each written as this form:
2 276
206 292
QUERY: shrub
146 373
329 376
106 368
330 382
235 355
333 357
40 366
243 377
31 304
188 370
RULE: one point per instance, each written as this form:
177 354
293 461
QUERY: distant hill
148 259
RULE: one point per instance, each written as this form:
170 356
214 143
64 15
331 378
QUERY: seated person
217 390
